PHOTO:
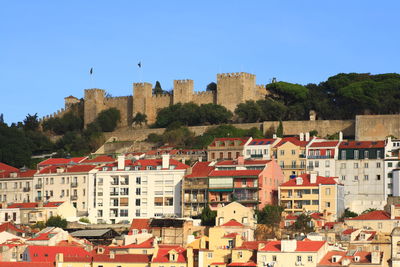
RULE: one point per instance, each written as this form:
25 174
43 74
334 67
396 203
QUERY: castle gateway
232 89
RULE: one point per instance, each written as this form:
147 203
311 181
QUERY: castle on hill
232 89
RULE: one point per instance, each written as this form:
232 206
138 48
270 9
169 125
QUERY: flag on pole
139 64
91 71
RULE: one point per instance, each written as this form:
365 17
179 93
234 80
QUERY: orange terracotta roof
27 205
127 258
10 226
262 141
246 162
100 159
325 144
5 167
48 253
349 231
163 254
67 169
294 140
252 245
242 140
61 161
225 173
26 264
365 257
139 224
200 169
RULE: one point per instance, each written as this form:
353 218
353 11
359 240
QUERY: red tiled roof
329 225
362 144
69 243
48 253
225 173
100 159
127 258
19 173
306 181
218 263
26 264
349 231
61 161
325 144
230 235
42 237
200 169
163 256
139 224
5 167
143 163
249 263
10 226
149 243
246 162
242 140
294 140
232 223
27 205
373 215
67 169
253 245
302 246
365 257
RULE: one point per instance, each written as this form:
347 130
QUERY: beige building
237 212
15 184
226 148
290 154
312 193
65 183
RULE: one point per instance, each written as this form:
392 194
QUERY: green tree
368 210
249 111
289 93
270 215
15 147
303 223
214 114
108 119
279 130
139 119
84 220
208 216
57 221
349 214
272 110
157 90
31 122
211 87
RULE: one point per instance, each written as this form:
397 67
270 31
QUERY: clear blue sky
48 47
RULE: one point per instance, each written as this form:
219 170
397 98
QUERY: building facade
226 148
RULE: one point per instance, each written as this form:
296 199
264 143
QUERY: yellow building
312 193
290 154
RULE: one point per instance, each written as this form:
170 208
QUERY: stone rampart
124 105
204 97
377 127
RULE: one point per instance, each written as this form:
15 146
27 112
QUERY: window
328 204
273 257
355 154
390 164
378 154
298 258
355 165
365 177
51 180
293 164
244 182
366 165
366 154
138 191
378 177
63 180
379 225
209 255
343 165
240 254
343 154
293 152
315 202
343 177
138 180
137 202
355 177
123 212
378 164
327 163
309 258
282 152
327 191
316 164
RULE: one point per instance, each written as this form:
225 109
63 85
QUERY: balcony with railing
114 193
38 199
290 166
27 189
320 156
38 186
74 197
74 184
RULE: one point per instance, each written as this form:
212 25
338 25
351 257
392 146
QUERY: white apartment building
260 148
64 183
321 156
392 163
143 188
16 185
360 167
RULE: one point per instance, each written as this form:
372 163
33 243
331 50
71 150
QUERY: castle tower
70 101
142 100
235 88
183 91
94 104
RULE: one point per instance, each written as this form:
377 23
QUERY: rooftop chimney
307 136
112 254
274 136
121 162
299 180
240 160
165 161
301 136
340 136
313 177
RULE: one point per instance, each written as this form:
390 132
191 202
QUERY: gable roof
225 173
302 246
200 169
99 159
223 139
324 144
373 215
262 141
294 140
365 257
232 223
362 144
139 224
306 181
67 169
8 168
61 161
163 254
9 226
27 205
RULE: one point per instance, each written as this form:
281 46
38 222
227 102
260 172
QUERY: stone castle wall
204 97
375 127
124 105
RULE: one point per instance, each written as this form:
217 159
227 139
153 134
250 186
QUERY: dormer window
104 168
171 167
127 168
149 167
114 168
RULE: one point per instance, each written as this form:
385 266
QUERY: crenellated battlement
142 84
235 75
203 93
118 98
184 81
161 96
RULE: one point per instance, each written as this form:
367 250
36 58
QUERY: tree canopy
57 221
208 216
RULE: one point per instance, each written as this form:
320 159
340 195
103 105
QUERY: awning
221 190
